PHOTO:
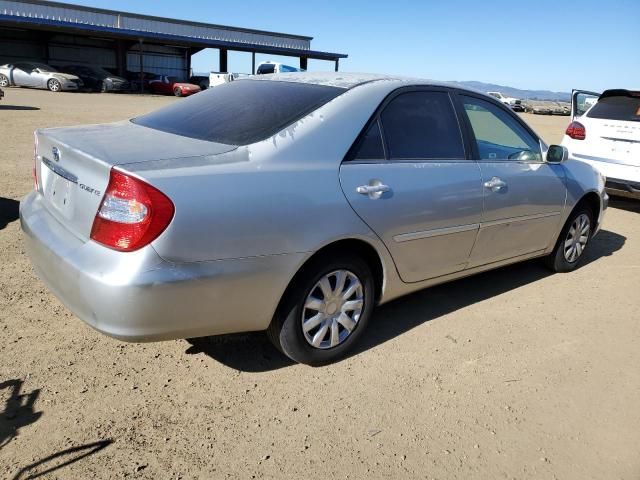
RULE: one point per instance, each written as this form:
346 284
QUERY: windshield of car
266 68
240 112
617 108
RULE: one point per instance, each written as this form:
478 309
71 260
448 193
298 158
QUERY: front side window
498 135
240 112
422 125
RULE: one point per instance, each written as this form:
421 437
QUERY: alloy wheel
577 238
54 85
332 309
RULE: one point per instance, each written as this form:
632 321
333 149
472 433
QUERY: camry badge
56 154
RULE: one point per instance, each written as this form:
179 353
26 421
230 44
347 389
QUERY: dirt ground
514 373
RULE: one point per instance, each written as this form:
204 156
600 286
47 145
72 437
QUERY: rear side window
240 112
422 125
617 108
370 147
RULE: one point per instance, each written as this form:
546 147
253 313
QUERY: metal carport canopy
69 18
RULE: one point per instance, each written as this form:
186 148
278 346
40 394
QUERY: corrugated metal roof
50 13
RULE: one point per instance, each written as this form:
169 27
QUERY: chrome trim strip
406 237
59 170
615 139
603 160
494 223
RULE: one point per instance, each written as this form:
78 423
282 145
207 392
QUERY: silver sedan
37 75
295 203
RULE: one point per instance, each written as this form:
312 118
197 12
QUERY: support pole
337 61
304 63
223 60
253 63
187 63
121 57
141 66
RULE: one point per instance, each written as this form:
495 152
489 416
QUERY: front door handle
495 184
374 190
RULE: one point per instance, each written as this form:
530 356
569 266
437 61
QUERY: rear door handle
369 189
495 184
374 190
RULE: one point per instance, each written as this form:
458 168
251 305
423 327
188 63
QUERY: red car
165 85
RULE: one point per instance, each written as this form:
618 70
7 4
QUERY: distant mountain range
516 92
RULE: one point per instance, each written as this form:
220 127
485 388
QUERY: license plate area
58 187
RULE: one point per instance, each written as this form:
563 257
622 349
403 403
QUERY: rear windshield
240 112
617 108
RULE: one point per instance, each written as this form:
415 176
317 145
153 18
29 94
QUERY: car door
409 179
523 195
156 85
581 101
23 75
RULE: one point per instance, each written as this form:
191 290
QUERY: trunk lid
615 140
73 164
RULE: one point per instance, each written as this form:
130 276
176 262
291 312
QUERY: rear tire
573 241
333 298
54 85
4 81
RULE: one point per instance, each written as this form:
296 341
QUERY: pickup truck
514 103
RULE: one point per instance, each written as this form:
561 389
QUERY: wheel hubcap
577 238
332 309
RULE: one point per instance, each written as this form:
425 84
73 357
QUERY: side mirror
557 154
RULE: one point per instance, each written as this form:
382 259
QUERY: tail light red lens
576 131
132 213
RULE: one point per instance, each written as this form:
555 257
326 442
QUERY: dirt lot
514 373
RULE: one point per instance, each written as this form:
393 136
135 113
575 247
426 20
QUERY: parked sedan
224 214
165 85
37 75
98 79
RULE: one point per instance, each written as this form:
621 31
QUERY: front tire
177 92
54 85
325 310
573 241
4 81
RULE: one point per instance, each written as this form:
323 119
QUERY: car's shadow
17 107
252 352
9 211
625 204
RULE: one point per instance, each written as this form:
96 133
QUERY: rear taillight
35 161
576 131
132 213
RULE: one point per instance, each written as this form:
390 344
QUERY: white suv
605 132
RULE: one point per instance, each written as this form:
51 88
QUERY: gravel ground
514 373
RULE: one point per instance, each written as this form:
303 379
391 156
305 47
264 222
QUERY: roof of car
344 80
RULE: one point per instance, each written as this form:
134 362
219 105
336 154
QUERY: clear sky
536 44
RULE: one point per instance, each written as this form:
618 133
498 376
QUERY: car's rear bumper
138 296
622 180
623 188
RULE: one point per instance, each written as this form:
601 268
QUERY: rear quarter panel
278 196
